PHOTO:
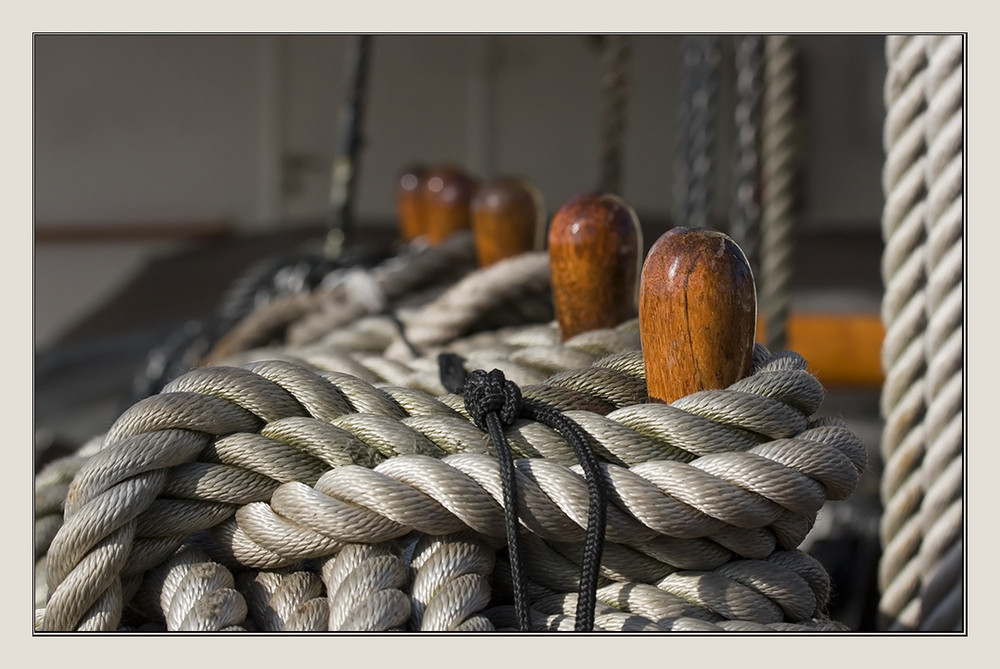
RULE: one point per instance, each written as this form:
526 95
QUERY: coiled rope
350 294
694 173
921 566
595 371
777 157
272 464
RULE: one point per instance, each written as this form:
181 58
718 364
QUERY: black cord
494 402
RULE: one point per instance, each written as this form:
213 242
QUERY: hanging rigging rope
777 158
345 163
941 511
745 207
614 103
904 313
694 169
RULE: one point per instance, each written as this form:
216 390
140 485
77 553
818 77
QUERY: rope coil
279 435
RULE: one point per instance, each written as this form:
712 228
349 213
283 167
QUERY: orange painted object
594 250
448 194
842 349
410 203
697 313
506 216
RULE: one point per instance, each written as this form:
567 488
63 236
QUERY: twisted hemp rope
348 295
941 512
777 157
745 208
904 313
615 57
271 465
921 568
694 169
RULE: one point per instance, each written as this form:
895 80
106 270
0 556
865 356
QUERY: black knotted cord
494 403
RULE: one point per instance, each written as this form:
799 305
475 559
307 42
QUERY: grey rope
941 511
778 155
904 314
285 601
348 295
116 518
614 104
365 586
518 288
694 173
745 206
451 583
786 587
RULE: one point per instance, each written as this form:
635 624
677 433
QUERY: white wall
183 128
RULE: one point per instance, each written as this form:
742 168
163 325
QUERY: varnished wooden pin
448 194
595 244
506 217
697 313
410 203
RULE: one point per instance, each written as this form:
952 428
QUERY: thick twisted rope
694 173
941 511
515 290
786 590
904 348
777 157
614 100
448 583
209 453
51 486
745 208
348 295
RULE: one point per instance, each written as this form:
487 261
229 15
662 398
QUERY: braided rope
941 589
745 213
904 313
778 153
614 103
694 176
205 456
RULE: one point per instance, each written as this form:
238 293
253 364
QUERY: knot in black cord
491 393
494 403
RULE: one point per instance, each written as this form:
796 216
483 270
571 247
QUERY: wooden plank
84 232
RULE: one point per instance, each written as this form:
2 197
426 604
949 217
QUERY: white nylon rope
153 448
941 598
778 155
904 314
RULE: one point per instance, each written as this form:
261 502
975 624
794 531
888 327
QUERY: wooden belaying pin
697 313
595 246
448 194
506 218
410 203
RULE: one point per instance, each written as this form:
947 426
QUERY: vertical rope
349 140
745 216
615 98
694 171
778 155
941 510
903 312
